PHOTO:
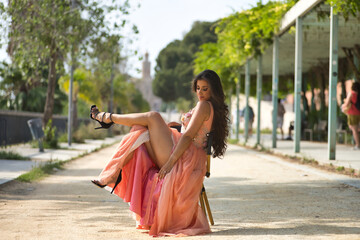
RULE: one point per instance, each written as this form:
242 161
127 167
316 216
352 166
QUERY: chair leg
202 203
203 198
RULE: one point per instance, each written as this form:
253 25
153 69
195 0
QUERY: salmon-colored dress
169 206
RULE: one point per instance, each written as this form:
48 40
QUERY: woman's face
203 90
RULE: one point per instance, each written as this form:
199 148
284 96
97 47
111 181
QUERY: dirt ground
251 198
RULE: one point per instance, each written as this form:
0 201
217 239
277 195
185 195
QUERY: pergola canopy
316 35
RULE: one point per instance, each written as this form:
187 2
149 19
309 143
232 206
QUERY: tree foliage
345 7
241 35
22 94
43 32
174 70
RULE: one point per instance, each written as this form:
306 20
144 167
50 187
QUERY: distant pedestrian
251 118
351 107
280 117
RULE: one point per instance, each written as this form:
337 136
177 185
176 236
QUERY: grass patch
41 171
12 156
340 169
310 161
233 141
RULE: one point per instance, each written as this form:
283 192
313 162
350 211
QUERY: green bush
88 132
50 140
85 131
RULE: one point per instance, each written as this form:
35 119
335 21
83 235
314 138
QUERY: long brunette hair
220 125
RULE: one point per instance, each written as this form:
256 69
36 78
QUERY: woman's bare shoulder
203 106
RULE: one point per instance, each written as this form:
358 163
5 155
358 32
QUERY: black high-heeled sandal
103 125
97 183
118 180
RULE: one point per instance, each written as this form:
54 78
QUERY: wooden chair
203 197
204 202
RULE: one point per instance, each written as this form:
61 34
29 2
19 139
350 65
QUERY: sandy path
250 197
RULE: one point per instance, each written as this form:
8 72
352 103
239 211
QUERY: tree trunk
350 58
49 104
322 91
342 74
75 114
304 89
312 107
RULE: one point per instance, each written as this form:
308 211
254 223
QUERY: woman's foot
103 118
98 183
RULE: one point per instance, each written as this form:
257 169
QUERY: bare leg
158 130
151 152
354 129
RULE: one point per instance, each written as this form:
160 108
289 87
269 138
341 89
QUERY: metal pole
258 95
230 111
247 93
275 87
70 110
237 108
112 88
356 62
333 79
297 91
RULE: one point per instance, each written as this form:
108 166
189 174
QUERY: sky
162 21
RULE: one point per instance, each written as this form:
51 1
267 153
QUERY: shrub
50 140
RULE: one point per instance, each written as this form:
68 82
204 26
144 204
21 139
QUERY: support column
275 88
333 79
258 96
356 62
70 104
232 120
247 93
237 107
297 92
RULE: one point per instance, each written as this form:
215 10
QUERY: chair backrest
322 125
208 152
208 148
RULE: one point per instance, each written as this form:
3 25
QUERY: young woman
162 169
353 113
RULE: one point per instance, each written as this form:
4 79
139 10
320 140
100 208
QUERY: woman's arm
347 101
201 114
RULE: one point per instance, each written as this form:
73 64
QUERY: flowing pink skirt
169 206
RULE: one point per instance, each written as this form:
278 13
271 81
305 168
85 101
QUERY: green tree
345 7
43 31
105 57
174 70
113 89
241 35
83 88
25 94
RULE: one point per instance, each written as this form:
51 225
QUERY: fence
14 128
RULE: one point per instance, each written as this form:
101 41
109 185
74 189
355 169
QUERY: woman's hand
165 169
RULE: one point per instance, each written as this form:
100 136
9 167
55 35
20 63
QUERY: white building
145 86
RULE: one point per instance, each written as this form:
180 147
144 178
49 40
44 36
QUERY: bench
318 128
